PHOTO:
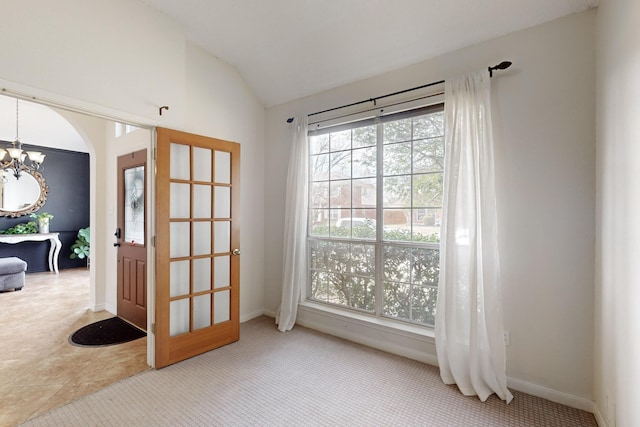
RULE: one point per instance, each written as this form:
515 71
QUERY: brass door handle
236 252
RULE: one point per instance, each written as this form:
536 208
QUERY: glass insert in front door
134 205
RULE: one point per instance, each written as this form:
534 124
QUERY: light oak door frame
197 245
131 238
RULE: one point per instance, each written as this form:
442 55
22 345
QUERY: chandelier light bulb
16 161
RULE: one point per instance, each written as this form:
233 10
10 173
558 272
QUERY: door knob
236 252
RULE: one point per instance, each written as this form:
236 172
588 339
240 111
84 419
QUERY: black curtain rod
501 66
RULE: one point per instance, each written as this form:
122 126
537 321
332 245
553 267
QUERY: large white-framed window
375 204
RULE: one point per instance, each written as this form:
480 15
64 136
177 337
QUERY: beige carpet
300 378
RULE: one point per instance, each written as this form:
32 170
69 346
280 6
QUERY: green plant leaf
81 248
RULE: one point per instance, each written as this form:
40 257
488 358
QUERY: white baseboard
269 313
96 308
417 346
252 315
552 395
602 422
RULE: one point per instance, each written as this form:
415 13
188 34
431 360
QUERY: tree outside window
365 225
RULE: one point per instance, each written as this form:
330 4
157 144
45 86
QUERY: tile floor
39 369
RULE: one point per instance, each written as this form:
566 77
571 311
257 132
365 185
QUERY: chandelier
19 160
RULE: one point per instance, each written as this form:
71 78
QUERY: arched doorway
101 146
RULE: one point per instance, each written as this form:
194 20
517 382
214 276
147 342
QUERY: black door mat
106 332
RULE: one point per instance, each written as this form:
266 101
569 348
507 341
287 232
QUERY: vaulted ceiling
287 49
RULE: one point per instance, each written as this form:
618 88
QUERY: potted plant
81 248
43 221
24 228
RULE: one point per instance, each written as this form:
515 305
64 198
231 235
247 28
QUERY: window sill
410 341
386 325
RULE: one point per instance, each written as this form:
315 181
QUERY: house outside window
374 214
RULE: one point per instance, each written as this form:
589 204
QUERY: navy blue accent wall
67 176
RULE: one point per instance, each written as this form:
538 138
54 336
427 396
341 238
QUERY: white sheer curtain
469 329
294 269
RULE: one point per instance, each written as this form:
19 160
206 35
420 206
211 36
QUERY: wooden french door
197 245
131 236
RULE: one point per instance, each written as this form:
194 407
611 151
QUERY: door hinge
153 328
153 241
155 153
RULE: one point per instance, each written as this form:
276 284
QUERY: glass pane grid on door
196 310
200 238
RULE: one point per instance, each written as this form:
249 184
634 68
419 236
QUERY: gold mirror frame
35 206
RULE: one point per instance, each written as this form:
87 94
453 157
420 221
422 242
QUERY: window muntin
375 206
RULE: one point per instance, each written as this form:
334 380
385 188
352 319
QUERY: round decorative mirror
21 196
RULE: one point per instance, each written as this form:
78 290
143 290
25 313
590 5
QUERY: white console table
54 249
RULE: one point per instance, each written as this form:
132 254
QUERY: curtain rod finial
501 66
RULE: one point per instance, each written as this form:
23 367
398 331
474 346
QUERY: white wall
121 59
544 109
118 54
617 320
222 105
92 130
